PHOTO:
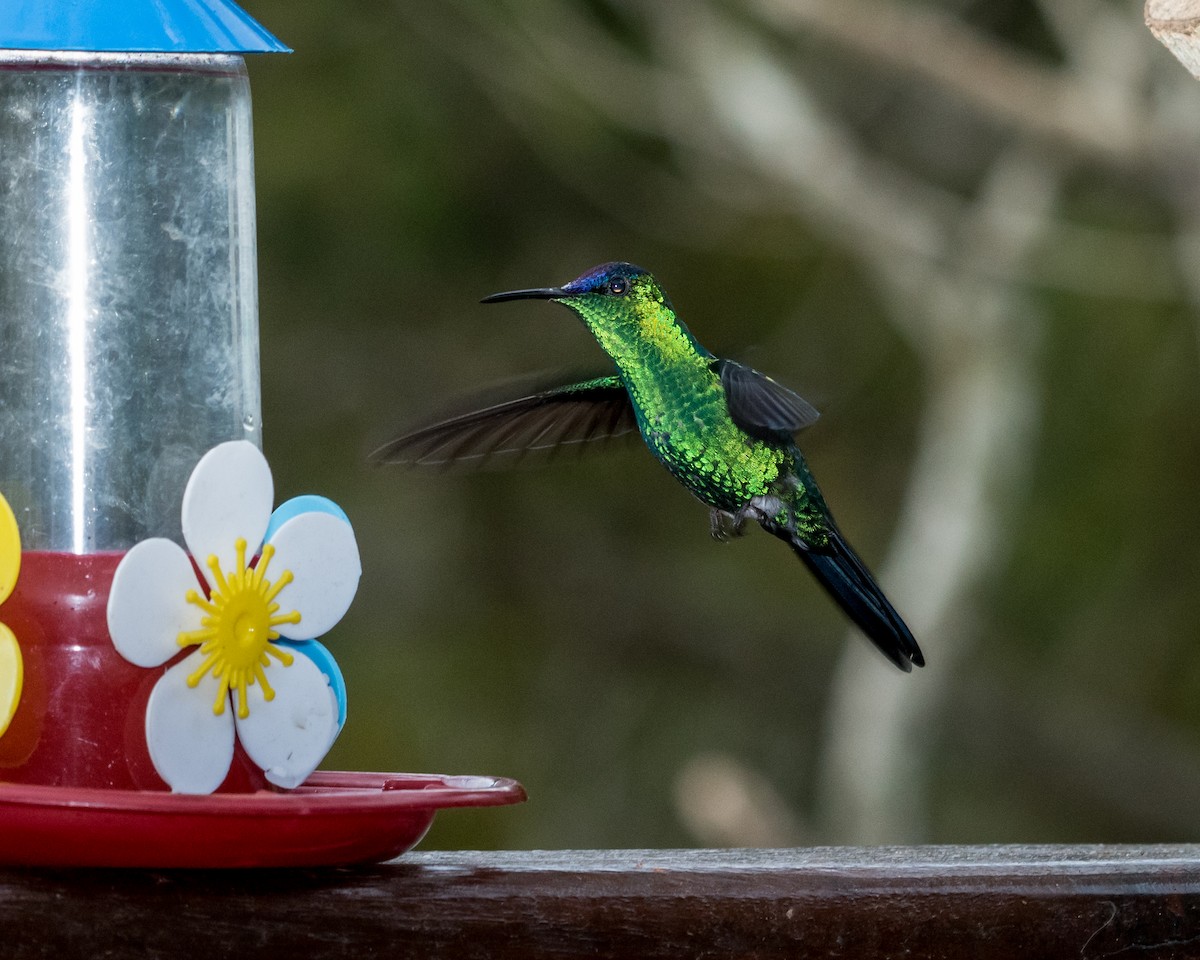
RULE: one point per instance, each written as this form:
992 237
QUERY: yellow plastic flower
12 670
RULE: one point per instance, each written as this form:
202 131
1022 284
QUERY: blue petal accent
318 654
309 503
133 26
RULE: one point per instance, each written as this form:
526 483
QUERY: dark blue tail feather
846 578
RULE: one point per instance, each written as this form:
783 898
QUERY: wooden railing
945 902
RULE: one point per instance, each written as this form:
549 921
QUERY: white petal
289 736
147 605
319 654
191 746
322 554
305 503
228 496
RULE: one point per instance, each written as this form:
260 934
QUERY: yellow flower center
240 617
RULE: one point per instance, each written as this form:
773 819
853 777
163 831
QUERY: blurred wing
760 406
577 414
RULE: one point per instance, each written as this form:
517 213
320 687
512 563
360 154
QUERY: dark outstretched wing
502 433
760 406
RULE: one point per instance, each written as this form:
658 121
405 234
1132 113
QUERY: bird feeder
162 693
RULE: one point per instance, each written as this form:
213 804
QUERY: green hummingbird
724 431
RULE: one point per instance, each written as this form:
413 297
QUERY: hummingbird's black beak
540 293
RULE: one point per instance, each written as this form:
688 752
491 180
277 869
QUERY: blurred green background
966 230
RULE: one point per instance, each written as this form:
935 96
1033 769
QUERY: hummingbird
726 432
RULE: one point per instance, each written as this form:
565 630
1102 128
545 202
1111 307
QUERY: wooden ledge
953 902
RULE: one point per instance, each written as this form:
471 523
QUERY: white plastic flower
255 672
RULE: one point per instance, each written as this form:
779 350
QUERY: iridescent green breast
686 424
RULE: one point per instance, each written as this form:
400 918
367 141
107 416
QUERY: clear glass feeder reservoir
128 288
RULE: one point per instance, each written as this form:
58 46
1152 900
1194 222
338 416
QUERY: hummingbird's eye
618 286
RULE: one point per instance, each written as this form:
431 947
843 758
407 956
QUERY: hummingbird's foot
766 509
724 526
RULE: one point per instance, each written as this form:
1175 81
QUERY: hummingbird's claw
724 526
765 509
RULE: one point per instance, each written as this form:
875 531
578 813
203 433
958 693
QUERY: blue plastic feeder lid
133 26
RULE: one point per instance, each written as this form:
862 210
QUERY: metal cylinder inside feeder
128 287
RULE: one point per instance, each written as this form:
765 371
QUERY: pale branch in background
977 434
